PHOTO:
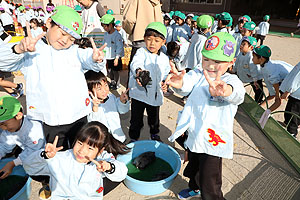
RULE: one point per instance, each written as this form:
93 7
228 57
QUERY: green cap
21 8
230 22
159 27
249 25
195 18
118 23
204 21
266 17
176 13
171 13
248 18
224 16
110 11
263 50
181 15
68 20
220 46
78 8
9 107
107 19
252 41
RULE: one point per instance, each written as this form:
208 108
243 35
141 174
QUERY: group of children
73 121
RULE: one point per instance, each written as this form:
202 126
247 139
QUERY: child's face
214 66
33 25
153 43
246 32
245 47
180 21
118 28
256 60
107 27
220 24
195 24
167 21
83 152
58 38
12 125
102 90
241 24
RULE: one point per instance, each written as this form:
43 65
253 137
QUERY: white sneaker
292 34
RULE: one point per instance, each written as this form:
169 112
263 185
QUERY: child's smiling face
213 67
83 152
101 90
245 47
58 38
12 125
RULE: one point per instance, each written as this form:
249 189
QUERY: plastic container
24 193
162 151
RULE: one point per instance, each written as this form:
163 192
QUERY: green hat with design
224 16
68 20
9 107
110 11
252 41
21 8
159 27
78 8
181 16
204 21
249 25
230 22
266 17
176 13
118 23
220 46
107 19
263 50
195 18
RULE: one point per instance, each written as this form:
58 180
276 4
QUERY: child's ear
164 42
19 116
251 48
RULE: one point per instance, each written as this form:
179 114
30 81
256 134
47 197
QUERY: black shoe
155 137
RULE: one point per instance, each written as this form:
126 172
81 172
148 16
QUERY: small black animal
143 160
144 77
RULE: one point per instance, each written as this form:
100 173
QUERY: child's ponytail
114 146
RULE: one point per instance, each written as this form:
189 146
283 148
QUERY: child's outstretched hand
124 97
98 54
102 165
7 170
175 78
28 43
51 149
217 87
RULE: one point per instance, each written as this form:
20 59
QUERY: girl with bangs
78 173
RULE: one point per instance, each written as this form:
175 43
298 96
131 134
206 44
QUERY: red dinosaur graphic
100 189
215 139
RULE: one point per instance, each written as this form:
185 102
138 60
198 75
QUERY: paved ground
257 171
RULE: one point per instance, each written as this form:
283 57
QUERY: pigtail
114 146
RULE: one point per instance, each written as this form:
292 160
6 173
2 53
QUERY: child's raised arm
28 43
51 149
175 79
98 54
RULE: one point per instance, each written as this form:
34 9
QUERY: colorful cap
118 23
107 19
181 15
68 20
195 18
263 50
176 13
190 15
21 8
249 25
230 22
252 41
167 15
9 107
110 11
204 21
224 16
245 18
220 46
266 17
159 27
171 13
78 8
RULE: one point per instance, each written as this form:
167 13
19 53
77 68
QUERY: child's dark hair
225 22
258 56
94 78
152 32
35 21
83 43
97 135
172 49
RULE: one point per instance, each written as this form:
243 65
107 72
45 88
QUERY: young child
263 29
167 21
78 173
56 91
246 70
114 50
247 30
176 51
22 19
208 115
119 28
149 97
35 28
241 21
273 71
193 56
106 107
290 87
223 20
17 129
182 29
